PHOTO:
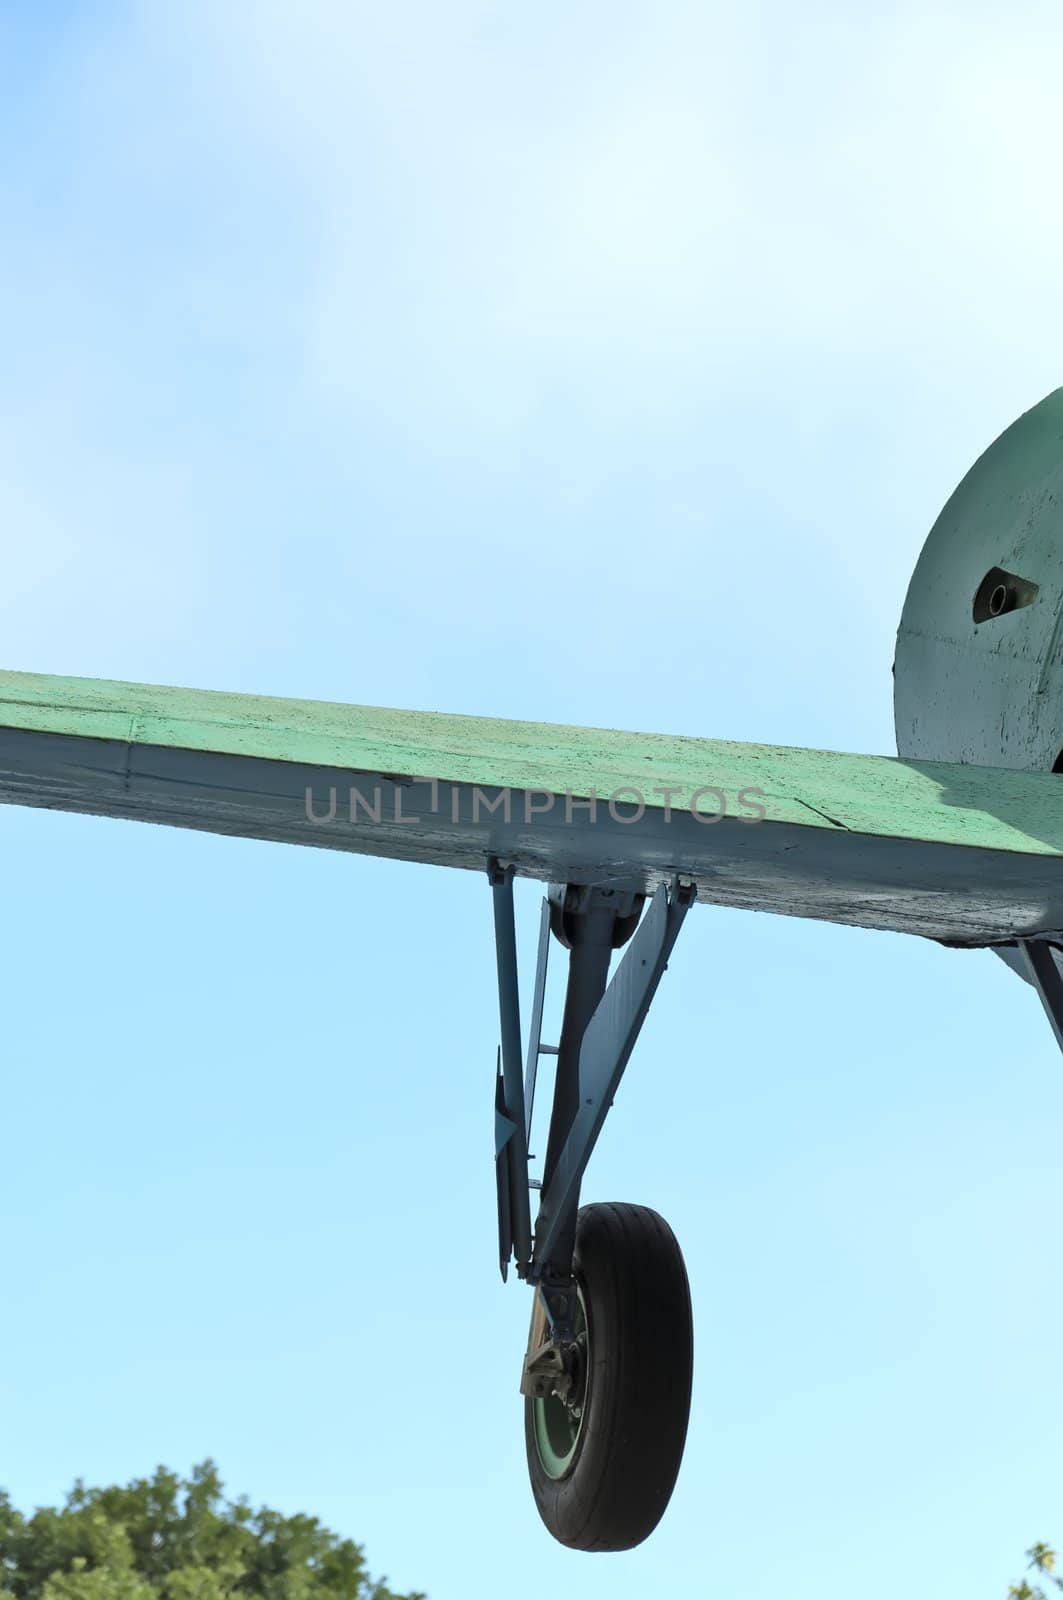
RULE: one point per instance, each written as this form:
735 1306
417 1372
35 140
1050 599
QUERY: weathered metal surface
978 675
990 691
956 852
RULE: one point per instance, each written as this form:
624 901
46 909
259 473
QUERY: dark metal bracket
511 1123
1040 963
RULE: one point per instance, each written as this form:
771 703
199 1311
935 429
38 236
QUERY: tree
164 1539
1040 1558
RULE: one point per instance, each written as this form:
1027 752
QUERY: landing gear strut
607 1373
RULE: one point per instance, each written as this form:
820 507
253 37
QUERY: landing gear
607 1373
604 1454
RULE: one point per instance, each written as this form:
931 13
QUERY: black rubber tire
637 1299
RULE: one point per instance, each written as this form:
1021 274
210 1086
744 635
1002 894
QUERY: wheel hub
559 1403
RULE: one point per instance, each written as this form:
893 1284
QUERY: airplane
958 838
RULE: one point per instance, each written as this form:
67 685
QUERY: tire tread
641 1344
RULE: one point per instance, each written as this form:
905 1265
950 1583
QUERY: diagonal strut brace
1041 969
604 1051
602 1023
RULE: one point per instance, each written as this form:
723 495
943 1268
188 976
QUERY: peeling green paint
972 806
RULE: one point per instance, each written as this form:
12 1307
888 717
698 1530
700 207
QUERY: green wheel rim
558 1426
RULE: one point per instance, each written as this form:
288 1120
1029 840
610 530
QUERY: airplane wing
967 854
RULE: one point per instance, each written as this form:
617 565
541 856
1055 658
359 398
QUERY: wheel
604 1463
561 918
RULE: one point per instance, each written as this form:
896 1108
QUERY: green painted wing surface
965 853
810 788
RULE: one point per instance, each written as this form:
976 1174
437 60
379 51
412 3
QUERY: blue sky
595 364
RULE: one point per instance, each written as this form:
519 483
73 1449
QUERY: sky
599 364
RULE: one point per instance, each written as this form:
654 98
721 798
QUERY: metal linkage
601 1022
511 1140
1040 962
600 1027
536 1048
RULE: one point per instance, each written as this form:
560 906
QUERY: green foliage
1040 1558
164 1539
